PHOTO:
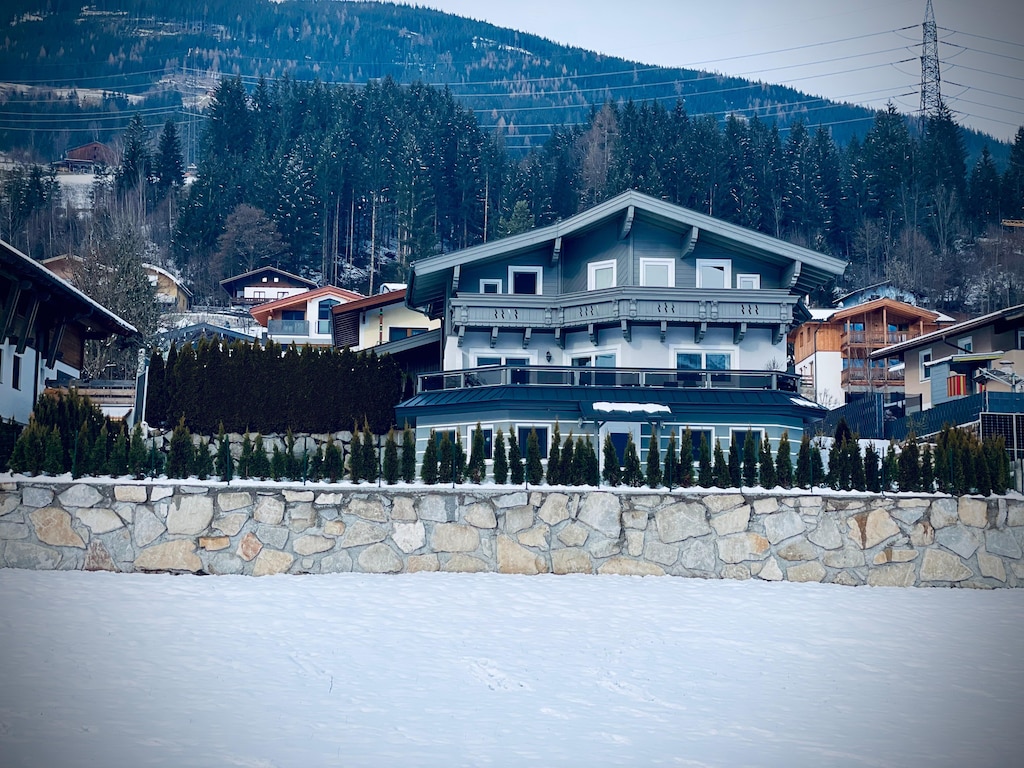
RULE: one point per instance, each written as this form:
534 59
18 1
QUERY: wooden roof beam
791 275
690 242
627 225
556 252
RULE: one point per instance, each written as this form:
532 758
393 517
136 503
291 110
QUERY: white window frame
538 271
594 354
504 355
966 344
652 262
726 264
733 353
924 372
1020 338
753 277
492 281
596 266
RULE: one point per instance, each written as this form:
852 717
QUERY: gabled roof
97 319
428 277
370 302
174 279
263 312
246 276
893 308
1013 315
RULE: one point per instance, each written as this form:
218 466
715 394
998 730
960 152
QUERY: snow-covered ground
103 669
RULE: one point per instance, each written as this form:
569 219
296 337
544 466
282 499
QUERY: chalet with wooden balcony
264 284
44 324
833 352
635 315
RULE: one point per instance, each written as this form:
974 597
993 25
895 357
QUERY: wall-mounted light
547 355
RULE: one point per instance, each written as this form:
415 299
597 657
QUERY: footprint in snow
487 673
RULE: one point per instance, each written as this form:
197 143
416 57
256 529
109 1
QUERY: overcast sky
803 43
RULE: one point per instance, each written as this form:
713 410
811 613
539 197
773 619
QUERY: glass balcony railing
607 377
288 327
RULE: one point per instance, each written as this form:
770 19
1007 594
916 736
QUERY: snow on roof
804 403
632 407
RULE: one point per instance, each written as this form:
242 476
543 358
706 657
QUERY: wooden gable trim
556 252
690 241
627 225
791 275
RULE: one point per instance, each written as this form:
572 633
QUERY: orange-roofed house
304 318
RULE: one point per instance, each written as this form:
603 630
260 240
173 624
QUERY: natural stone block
190 516
574 535
147 528
224 564
943 513
1002 543
160 492
8 503
34 496
734 521
601 546
270 562
890 555
720 502
766 506
991 566
249 546
738 547
800 549
23 554
99 519
304 546
179 555
80 495
214 543
571 560
334 528
848 557
379 558
301 517
922 534
423 563
229 501
336 562
1015 513
269 510
826 535
10 531
368 510
770 571
664 554
434 508
869 529
535 537
402 509
783 525
518 519
53 527
737 572
909 511
462 563
601 511
518 499
554 510
634 543
943 566
623 566
811 505
480 516
274 536
296 497
684 520
454 537
513 558
806 572
230 524
409 536
895 575
361 533
635 519
98 559
698 555
130 493
963 541
328 499
973 512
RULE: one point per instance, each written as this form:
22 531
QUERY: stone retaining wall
265 528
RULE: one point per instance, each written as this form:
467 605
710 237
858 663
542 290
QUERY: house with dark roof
264 284
631 318
44 324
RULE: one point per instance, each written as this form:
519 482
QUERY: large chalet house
832 352
631 317
44 324
264 284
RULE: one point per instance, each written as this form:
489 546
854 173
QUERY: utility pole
931 94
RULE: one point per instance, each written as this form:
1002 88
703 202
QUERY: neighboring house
191 334
832 351
264 284
171 293
89 157
44 324
955 362
303 318
635 315
883 290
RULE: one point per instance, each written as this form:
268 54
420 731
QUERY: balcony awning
968 361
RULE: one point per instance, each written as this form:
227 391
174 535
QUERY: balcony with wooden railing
871 340
871 377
